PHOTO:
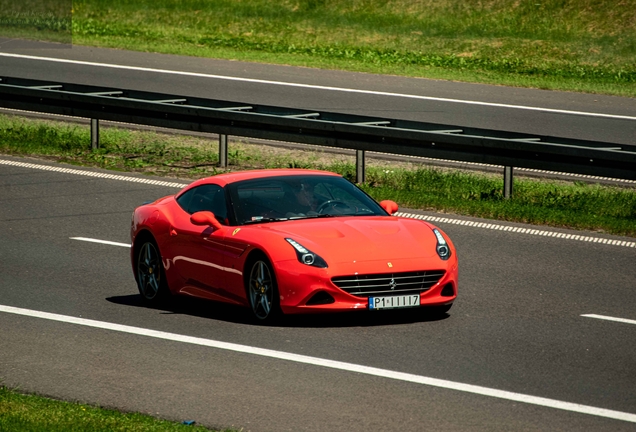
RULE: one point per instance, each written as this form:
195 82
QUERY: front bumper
298 284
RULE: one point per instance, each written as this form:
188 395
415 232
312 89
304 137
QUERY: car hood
343 239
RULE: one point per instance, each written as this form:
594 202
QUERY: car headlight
306 256
442 247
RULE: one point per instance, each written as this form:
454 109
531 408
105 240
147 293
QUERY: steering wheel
333 203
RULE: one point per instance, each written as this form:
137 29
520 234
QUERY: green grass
579 45
575 205
582 45
560 204
48 20
31 413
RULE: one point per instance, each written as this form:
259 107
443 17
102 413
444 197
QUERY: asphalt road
469 105
517 327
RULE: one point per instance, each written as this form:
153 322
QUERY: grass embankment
560 204
580 45
30 413
48 20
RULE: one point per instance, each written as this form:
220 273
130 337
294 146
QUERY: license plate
394 302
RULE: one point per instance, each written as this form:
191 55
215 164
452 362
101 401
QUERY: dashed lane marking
519 230
107 242
609 318
429 218
332 364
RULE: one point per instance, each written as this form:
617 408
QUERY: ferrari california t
289 241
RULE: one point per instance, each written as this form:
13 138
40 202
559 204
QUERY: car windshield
299 197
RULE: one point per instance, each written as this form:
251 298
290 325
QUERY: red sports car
289 241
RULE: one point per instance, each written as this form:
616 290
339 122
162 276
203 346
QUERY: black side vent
448 290
320 298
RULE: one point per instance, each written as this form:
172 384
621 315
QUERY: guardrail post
507 182
222 150
360 174
414 138
94 134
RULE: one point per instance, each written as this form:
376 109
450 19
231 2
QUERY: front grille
388 283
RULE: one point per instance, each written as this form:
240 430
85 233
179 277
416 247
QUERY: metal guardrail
361 133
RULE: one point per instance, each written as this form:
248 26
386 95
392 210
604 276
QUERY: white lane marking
428 218
93 174
316 361
609 318
518 230
92 240
317 87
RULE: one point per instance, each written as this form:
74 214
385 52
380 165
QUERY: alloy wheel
261 290
149 271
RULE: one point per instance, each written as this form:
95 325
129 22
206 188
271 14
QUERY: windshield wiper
268 219
264 220
316 216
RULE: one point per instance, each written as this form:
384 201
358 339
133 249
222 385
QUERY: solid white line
92 240
317 87
609 318
315 361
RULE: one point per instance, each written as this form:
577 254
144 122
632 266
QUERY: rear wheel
262 292
151 279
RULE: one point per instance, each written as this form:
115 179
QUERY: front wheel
262 292
151 279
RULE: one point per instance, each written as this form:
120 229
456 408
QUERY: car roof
232 177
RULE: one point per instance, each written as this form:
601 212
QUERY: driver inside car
305 202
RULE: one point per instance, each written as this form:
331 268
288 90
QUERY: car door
200 250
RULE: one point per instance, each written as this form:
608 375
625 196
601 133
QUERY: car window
263 198
294 197
205 198
184 199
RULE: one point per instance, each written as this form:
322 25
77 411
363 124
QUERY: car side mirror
205 218
390 206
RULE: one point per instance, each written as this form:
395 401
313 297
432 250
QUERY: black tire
262 291
151 279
